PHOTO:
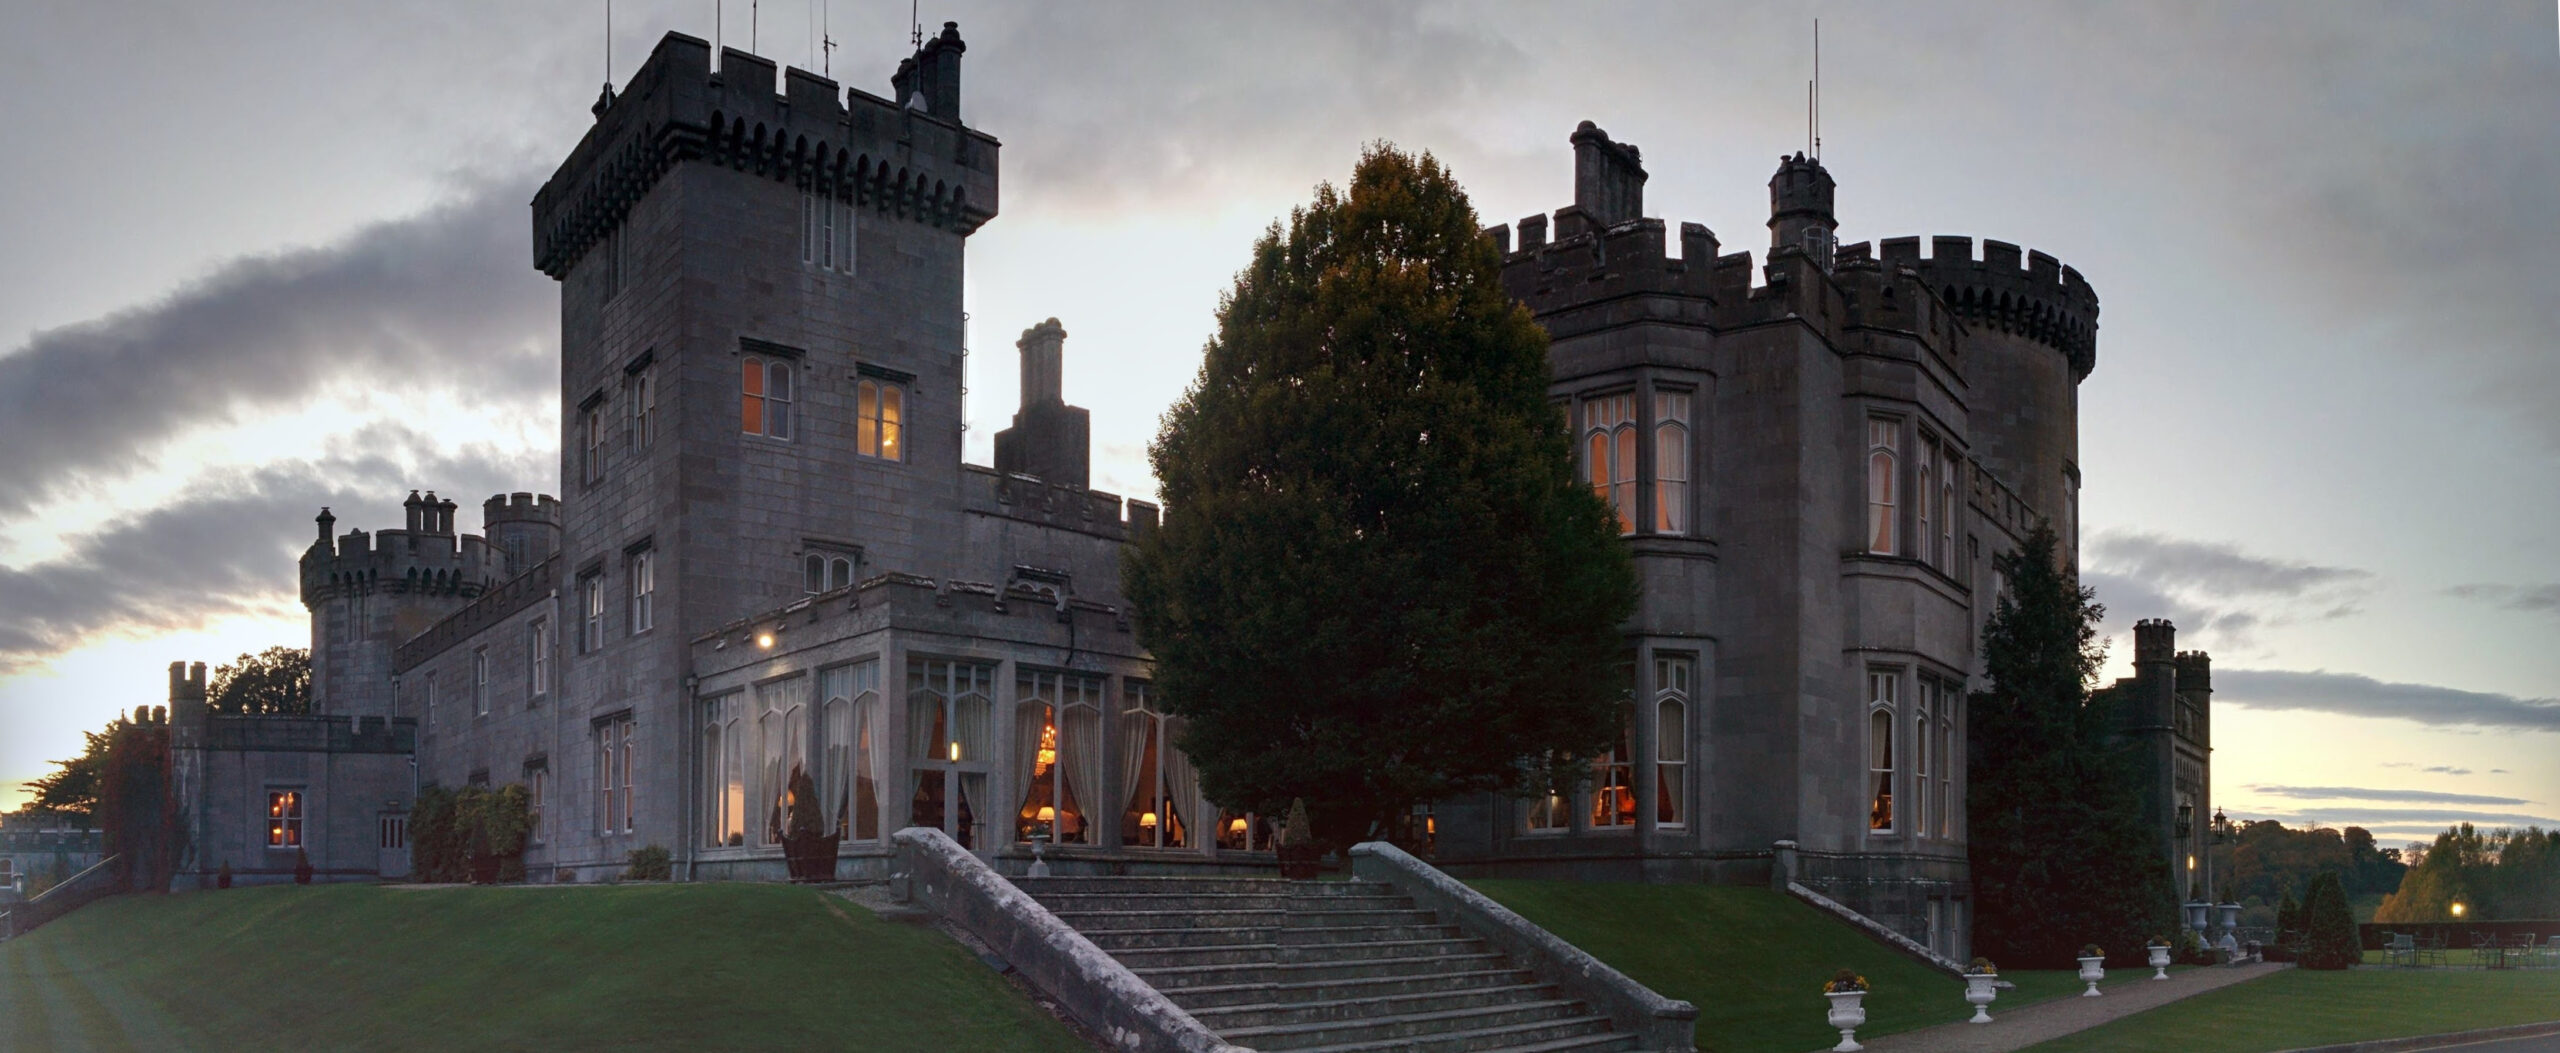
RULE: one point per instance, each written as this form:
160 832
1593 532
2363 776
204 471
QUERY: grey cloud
2404 817
2217 594
2538 598
2215 567
444 299
2443 769
2351 695
230 545
2368 793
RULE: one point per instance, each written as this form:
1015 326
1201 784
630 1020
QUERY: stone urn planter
1847 1014
1978 993
2159 961
2093 969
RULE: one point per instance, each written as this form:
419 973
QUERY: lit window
1671 741
640 408
782 731
1058 753
480 681
764 402
879 408
826 231
644 591
1609 441
1880 693
1160 809
1883 462
1671 462
1548 813
1613 790
724 767
950 713
848 734
284 818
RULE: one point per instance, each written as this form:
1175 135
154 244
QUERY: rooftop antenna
753 9
608 45
1817 89
915 22
827 40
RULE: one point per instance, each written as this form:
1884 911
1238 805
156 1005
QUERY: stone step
1283 954
1578 1033
1188 885
1226 936
1267 1014
1203 902
1211 996
1311 934
1167 978
1091 921
1412 1030
1140 959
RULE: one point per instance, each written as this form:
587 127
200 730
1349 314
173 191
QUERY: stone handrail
1658 1023
1128 1014
102 879
1877 930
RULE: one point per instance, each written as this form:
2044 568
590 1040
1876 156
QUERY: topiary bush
2329 930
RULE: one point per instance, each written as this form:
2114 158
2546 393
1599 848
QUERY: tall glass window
1058 756
950 714
848 769
1671 462
1671 740
764 400
1884 443
879 409
1613 785
1881 685
1609 460
1922 709
725 736
1159 784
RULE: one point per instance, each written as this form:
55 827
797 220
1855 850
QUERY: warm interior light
955 749
1048 753
764 640
2457 910
1147 819
1048 814
1236 825
2191 862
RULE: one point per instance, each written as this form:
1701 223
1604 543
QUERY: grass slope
2297 1008
1753 961
693 967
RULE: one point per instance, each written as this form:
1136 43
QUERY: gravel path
2026 1026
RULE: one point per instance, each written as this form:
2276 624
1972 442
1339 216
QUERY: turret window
1884 484
1671 462
880 412
764 402
1609 457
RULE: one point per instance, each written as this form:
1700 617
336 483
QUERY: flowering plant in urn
2159 960
1978 991
1845 989
2093 968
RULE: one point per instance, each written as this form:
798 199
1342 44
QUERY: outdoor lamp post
2224 834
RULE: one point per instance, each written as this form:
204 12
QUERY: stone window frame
591 609
724 722
1138 709
864 706
880 418
1066 695
826 566
1607 438
537 783
766 393
1685 697
591 440
616 786
1674 432
480 681
286 825
938 758
640 567
537 660
1883 769
827 237
1884 486
1613 780
640 403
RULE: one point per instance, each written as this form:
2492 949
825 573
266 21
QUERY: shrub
2329 930
473 833
803 816
650 864
301 867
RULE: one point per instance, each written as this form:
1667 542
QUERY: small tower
1049 438
368 593
1608 177
1800 209
522 527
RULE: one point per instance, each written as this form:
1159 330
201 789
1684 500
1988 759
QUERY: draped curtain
1080 770
1029 719
973 714
1137 733
873 758
1182 788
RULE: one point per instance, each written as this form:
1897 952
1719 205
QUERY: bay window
1058 756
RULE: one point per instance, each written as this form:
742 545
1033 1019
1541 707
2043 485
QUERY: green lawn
1753 961
360 967
2296 1008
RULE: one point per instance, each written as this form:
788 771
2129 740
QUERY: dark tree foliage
1377 582
2329 931
276 680
471 834
138 805
2061 854
2501 874
71 789
2268 861
2288 915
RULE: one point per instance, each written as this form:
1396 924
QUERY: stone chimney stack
1049 439
417 514
1608 177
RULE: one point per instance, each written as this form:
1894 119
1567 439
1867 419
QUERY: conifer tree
2329 939
2061 854
1377 582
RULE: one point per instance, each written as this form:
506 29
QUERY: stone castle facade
767 553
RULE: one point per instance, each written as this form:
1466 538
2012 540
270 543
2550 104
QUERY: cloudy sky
258 260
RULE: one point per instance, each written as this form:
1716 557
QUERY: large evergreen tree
276 680
2061 853
1377 582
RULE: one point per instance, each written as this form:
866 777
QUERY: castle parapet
1028 499
2041 300
910 157
430 560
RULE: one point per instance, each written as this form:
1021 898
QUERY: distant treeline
2494 875
2270 862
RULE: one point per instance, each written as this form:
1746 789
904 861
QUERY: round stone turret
367 593
523 527
1800 214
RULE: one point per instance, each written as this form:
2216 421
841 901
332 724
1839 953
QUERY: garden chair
2551 953
2433 948
2401 949
2484 949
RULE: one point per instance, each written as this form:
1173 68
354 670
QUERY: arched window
1671 741
1921 790
1671 462
1883 462
764 400
1924 492
1610 460
1880 692
825 572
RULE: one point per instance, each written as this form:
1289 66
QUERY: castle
768 554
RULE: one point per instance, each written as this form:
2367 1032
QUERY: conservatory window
1058 751
1161 785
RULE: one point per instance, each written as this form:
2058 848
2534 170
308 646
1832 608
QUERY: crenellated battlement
985 491
908 157
2035 296
2195 672
1589 262
428 558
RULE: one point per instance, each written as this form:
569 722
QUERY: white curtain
835 760
1137 732
1029 719
1182 786
769 782
973 714
877 762
924 711
711 776
1080 770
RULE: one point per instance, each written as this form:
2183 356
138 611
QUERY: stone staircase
1321 966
